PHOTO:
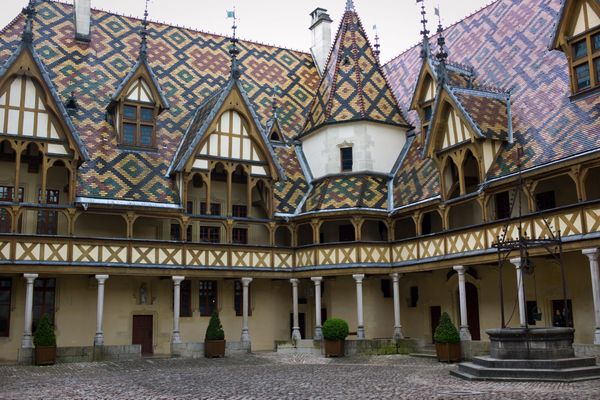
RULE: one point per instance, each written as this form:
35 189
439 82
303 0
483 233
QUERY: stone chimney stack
83 13
320 29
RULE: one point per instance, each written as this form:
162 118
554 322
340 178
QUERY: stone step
542 374
423 354
467 376
563 363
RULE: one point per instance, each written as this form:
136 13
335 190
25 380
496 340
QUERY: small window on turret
346 157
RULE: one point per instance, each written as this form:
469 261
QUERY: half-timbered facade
151 174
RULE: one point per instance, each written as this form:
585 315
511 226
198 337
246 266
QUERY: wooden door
142 333
435 312
473 311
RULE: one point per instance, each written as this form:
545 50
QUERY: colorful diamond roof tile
348 191
489 114
353 86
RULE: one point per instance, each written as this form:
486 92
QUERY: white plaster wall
375 147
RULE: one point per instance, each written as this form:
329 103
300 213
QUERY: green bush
335 329
215 329
44 334
446 332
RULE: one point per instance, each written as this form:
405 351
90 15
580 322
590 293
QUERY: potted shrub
447 340
44 340
214 341
335 331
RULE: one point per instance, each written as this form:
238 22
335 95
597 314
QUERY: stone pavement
269 376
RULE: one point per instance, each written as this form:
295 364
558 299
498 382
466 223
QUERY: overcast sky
285 23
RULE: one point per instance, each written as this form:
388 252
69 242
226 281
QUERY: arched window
471 172
451 179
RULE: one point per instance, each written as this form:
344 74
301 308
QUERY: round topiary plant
215 329
44 334
446 332
335 329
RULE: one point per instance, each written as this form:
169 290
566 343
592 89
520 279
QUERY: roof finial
234 51
349 5
29 13
442 55
425 32
377 45
144 33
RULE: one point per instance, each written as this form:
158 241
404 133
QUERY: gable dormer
424 96
578 36
134 108
467 130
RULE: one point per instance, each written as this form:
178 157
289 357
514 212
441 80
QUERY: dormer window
585 62
137 120
275 137
346 157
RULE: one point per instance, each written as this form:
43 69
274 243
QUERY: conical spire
353 86
29 13
144 34
425 51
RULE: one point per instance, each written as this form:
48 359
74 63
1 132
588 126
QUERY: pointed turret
353 86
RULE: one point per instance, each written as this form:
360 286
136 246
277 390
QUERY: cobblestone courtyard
269 376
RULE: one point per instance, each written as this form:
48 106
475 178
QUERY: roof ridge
356 57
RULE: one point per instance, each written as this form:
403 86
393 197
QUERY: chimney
320 28
83 12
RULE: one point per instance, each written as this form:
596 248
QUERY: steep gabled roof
353 86
489 113
25 54
566 9
203 118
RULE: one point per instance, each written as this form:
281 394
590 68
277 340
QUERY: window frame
47 220
237 237
6 305
590 59
207 234
5 216
344 159
39 310
208 297
185 299
213 207
139 123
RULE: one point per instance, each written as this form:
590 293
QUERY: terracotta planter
448 352
334 348
45 355
214 348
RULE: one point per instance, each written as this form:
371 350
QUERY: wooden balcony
577 223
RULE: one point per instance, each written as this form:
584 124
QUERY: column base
597 336
296 334
398 333
318 333
360 333
99 339
27 342
464 333
176 338
245 335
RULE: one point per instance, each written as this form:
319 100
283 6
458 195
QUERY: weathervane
377 45
144 33
234 51
425 31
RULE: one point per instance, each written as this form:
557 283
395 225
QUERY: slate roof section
506 43
348 191
489 114
290 192
353 86
189 65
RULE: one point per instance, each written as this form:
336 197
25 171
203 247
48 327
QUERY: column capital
178 279
294 282
358 277
459 268
592 254
30 277
246 281
396 276
516 262
101 278
317 279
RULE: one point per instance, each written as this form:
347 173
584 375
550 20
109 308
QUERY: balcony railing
580 221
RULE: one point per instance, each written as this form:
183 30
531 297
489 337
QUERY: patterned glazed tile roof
343 191
353 86
507 44
490 115
289 193
417 178
189 65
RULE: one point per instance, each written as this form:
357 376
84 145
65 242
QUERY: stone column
360 331
245 330
27 342
295 328
318 332
592 255
397 323
462 293
176 336
520 292
99 338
